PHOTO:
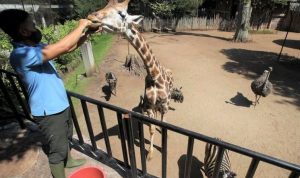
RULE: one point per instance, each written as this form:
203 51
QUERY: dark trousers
57 130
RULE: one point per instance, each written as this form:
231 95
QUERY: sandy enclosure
215 74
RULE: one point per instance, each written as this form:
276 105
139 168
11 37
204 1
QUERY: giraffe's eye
121 14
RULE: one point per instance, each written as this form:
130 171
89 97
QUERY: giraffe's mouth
110 28
95 25
95 21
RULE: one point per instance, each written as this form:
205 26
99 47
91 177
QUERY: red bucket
88 172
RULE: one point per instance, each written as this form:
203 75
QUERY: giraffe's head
114 17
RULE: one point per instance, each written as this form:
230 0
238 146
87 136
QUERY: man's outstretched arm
68 43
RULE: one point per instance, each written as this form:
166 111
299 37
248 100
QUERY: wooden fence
279 22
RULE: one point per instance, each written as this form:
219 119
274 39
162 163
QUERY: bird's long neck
267 78
152 65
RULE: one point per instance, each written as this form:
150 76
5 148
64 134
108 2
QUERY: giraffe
159 80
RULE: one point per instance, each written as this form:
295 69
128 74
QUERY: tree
263 10
243 19
179 8
83 7
162 9
186 7
263 7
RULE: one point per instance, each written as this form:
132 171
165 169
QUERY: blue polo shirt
47 94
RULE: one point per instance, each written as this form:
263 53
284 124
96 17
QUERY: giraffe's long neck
152 65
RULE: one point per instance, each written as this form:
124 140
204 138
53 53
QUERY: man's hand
89 26
84 23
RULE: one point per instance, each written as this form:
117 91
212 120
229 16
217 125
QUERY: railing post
22 87
89 125
252 168
188 161
164 151
19 98
122 136
11 104
104 130
294 174
128 123
142 147
75 121
218 161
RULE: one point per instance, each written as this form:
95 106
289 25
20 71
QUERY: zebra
211 152
111 79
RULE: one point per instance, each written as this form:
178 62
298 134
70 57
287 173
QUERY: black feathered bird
111 79
262 86
177 95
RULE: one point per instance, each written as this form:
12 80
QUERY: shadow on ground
114 131
285 76
107 92
15 142
240 100
289 43
195 167
203 35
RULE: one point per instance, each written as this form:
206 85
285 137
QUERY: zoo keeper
32 61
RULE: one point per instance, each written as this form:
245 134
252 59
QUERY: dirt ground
215 74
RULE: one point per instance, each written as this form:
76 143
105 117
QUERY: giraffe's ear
134 19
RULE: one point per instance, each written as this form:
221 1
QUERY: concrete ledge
21 156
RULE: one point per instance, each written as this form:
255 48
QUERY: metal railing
125 118
13 83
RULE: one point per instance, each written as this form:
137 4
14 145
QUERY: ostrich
262 86
111 79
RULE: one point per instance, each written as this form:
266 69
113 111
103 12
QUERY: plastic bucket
88 172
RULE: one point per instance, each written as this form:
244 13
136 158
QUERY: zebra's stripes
211 152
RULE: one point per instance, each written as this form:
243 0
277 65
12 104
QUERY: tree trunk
270 19
244 15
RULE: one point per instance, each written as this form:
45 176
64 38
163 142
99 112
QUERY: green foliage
168 8
270 4
265 31
162 9
5 48
175 8
187 4
5 42
186 7
283 2
83 7
54 33
101 45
